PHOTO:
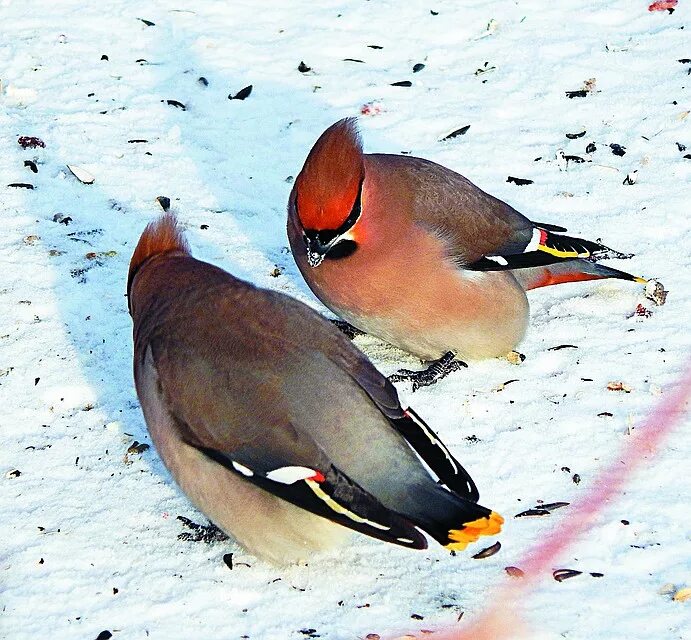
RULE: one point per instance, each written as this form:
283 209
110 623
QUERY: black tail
450 519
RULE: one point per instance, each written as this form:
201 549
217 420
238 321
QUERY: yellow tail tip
471 531
640 280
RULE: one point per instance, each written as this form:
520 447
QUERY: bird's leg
347 328
436 370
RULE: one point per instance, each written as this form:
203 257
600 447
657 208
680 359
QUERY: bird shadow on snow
241 159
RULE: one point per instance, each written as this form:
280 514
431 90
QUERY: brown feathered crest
160 236
328 183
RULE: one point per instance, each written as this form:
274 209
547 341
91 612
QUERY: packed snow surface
89 524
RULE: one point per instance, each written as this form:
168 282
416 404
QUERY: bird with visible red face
274 424
411 252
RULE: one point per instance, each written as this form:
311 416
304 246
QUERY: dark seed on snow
148 23
418 67
576 478
576 159
617 149
553 506
374 46
458 132
519 181
581 93
353 60
242 94
228 559
688 156
104 635
564 574
402 83
32 165
573 136
417 616
203 81
531 513
596 574
30 142
303 68
21 185
559 347
177 103
487 551
591 148
685 60
434 13
136 140
681 147
605 414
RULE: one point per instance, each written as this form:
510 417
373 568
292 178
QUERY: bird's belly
267 526
474 314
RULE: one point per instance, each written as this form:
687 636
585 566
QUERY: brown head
160 236
326 198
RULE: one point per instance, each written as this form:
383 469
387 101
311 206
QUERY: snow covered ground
89 532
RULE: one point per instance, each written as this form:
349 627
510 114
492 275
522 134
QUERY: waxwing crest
160 236
330 180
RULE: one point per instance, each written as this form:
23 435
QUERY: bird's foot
200 532
436 370
347 328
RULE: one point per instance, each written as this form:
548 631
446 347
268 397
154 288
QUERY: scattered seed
417 616
531 513
682 595
148 23
228 559
21 185
576 478
81 174
242 94
625 522
31 165
617 149
15 473
136 447
374 46
353 60
618 386
564 574
580 93
418 67
596 574
487 551
553 506
519 181
177 104
104 57
559 347
303 68
574 159
573 136
203 81
136 141
655 292
402 83
30 142
457 132
684 60
591 148
605 414
104 635
514 572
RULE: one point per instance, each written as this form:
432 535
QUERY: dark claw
347 328
200 533
436 370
